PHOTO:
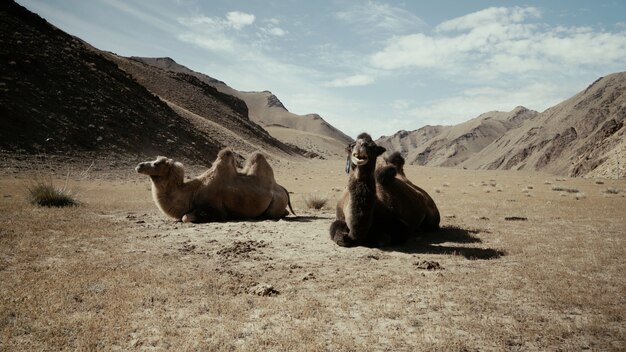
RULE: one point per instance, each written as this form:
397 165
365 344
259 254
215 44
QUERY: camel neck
164 192
362 186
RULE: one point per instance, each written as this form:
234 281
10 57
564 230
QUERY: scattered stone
428 265
515 218
308 276
263 290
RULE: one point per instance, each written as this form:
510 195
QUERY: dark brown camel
380 206
412 204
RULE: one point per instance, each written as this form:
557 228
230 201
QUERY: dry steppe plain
519 265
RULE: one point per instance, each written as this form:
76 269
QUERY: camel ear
380 150
349 147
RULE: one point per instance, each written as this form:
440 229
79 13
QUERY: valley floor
525 261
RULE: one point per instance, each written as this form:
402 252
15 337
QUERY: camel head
363 151
162 167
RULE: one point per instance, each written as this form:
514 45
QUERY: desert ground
524 261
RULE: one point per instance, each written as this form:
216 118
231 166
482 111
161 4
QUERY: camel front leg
340 234
205 214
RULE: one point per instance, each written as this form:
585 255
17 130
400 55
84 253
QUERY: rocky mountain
310 132
59 95
452 145
582 136
222 116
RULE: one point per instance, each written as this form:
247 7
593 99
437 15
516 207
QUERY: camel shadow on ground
305 218
431 243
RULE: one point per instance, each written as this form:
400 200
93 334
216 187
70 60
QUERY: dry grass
315 201
45 193
611 191
565 189
116 274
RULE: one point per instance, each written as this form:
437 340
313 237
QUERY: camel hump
396 160
225 154
257 165
386 174
225 163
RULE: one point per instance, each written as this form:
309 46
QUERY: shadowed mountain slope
59 96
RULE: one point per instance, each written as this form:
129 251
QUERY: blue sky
376 66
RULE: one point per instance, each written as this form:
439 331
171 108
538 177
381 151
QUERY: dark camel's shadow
429 243
305 218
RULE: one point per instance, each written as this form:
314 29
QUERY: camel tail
289 201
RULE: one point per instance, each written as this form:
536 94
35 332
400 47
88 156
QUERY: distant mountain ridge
452 145
582 136
309 132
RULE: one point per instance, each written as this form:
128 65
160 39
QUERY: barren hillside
582 136
452 145
268 111
224 117
58 96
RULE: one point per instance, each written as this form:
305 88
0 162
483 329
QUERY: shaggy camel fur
416 208
220 193
380 206
356 208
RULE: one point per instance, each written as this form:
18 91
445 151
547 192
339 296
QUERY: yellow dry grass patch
114 273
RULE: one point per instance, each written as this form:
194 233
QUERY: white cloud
475 101
351 81
208 42
377 16
275 31
500 41
490 15
208 33
238 20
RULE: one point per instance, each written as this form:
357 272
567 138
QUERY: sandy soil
517 266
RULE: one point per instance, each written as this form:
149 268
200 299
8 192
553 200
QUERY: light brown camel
259 170
379 206
221 193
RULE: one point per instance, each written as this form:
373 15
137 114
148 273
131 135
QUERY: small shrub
612 191
46 194
315 201
598 182
564 189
